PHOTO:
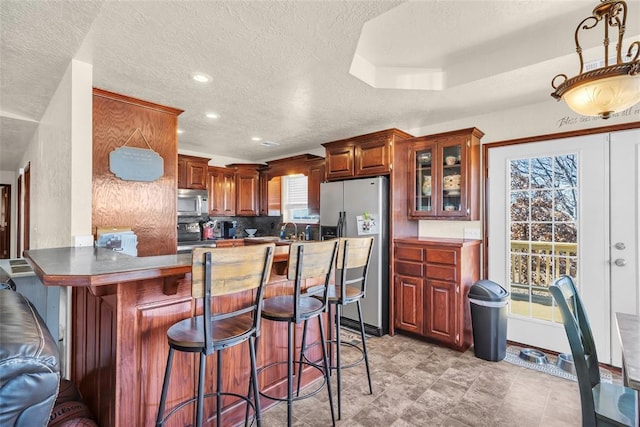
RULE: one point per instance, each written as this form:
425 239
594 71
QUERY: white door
548 215
625 233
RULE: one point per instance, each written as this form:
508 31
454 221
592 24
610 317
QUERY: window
294 200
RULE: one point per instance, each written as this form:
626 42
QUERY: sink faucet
295 229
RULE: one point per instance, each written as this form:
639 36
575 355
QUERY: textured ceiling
281 70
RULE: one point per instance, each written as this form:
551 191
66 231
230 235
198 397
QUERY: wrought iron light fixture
611 88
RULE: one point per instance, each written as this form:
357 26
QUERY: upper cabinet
361 156
221 184
247 189
444 176
192 172
315 178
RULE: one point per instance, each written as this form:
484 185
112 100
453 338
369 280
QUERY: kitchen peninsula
122 307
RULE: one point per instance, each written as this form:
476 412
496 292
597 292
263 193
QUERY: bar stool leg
302 350
330 338
200 404
364 346
289 373
254 380
218 387
327 369
165 388
337 365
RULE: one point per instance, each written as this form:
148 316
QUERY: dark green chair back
602 404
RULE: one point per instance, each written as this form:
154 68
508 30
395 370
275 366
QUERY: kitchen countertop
88 266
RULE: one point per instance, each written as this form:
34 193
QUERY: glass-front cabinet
444 176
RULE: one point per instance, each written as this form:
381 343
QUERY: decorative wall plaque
136 164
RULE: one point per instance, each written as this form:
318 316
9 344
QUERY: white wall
60 156
81 149
60 163
549 117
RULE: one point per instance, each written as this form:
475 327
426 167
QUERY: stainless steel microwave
193 202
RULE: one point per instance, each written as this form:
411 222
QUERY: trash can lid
486 290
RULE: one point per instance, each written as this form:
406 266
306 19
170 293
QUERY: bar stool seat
280 308
219 272
189 333
309 260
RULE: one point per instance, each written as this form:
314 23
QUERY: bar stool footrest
194 399
347 365
295 398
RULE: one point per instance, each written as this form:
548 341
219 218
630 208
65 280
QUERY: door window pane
544 233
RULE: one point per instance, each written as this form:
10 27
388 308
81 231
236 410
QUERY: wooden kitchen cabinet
408 304
314 179
431 285
221 184
270 194
247 189
362 156
192 172
444 176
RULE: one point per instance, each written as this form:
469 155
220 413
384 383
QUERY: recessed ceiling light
212 115
180 131
201 77
256 138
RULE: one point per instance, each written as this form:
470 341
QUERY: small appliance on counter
194 232
229 229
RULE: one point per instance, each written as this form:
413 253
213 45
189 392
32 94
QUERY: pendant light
611 88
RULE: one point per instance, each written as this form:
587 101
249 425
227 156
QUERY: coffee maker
229 229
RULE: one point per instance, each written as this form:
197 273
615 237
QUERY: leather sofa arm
29 364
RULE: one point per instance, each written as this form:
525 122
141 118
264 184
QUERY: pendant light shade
611 88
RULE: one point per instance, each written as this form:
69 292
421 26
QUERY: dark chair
602 404
354 254
309 260
217 272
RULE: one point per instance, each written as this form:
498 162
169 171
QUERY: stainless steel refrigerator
360 207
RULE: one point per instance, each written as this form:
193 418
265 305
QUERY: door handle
620 246
620 262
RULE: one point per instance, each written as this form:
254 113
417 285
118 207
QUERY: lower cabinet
431 285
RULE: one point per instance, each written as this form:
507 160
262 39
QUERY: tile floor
421 384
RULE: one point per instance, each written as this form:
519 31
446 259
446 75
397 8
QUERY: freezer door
371 196
331 202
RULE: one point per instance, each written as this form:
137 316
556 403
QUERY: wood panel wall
149 208
120 352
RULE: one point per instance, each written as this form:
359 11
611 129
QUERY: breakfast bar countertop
88 266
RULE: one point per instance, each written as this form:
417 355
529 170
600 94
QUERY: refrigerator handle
343 220
339 224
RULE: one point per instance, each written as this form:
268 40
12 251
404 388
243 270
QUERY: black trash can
488 302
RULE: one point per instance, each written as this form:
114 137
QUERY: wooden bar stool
354 254
217 272
310 260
